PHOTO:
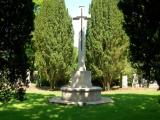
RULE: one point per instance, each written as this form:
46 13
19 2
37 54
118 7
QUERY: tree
16 24
142 24
38 2
53 40
106 42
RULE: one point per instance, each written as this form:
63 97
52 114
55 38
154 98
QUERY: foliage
20 93
37 6
39 2
107 43
142 24
75 58
16 24
6 91
53 40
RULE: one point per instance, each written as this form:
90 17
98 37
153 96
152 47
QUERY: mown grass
128 105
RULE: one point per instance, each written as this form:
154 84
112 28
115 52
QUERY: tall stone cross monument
81 91
81 78
81 45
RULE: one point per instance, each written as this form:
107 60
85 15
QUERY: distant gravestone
28 78
124 81
135 81
144 82
153 85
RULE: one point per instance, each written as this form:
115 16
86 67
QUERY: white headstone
153 85
124 81
135 81
28 78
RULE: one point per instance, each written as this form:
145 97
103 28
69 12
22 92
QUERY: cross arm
79 17
76 18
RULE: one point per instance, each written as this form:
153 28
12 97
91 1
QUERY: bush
20 91
6 91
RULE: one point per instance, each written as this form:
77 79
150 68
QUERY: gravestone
124 81
153 85
135 81
28 79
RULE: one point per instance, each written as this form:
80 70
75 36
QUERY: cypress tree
53 38
106 43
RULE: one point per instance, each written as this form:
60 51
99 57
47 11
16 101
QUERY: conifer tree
106 42
16 24
53 39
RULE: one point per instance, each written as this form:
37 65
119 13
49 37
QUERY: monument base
81 96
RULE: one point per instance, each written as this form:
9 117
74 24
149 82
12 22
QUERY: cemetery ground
129 104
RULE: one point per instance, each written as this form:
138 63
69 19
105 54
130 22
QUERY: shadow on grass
126 106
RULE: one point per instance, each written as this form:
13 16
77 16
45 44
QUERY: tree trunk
107 80
148 83
121 80
148 76
108 85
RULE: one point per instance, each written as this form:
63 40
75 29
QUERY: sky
74 10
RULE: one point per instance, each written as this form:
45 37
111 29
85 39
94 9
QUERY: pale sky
74 10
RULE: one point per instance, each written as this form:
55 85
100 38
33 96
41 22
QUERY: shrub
20 92
6 90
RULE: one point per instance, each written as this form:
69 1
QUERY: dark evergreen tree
16 24
53 38
106 42
142 24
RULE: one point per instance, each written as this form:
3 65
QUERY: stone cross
81 46
80 91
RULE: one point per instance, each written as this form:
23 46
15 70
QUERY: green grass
128 105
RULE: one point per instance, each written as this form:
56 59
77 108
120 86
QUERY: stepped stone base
58 100
81 96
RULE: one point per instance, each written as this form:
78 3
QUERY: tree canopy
53 40
16 24
142 24
107 43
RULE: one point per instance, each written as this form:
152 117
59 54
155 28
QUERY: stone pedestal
81 96
81 79
81 91
92 94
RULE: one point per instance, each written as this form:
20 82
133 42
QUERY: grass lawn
141 104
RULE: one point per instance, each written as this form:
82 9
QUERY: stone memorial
153 85
28 79
135 82
81 91
124 81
